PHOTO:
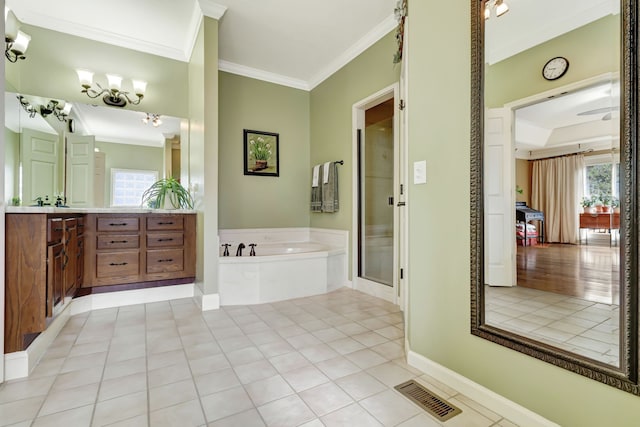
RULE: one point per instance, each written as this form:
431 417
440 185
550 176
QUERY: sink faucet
253 249
226 249
241 246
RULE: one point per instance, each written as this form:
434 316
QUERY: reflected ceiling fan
606 110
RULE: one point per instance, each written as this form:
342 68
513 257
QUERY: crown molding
378 32
255 73
88 32
212 9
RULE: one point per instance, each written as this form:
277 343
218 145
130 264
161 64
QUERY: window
602 178
127 186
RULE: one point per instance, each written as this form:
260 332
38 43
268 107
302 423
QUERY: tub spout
226 249
241 246
252 252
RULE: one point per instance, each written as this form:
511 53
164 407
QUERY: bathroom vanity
54 254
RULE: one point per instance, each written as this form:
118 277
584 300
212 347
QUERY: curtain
556 189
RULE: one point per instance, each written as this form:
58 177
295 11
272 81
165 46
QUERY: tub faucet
241 246
226 249
253 249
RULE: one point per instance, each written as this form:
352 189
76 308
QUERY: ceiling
297 43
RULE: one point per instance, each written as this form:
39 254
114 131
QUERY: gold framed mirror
562 286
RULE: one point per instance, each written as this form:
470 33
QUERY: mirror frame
626 376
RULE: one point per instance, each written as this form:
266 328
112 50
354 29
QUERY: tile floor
583 327
329 360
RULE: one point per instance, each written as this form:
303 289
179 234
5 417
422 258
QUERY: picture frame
261 153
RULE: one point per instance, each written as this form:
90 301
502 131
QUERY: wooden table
600 221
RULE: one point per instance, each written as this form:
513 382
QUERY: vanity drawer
117 264
160 240
118 224
54 230
118 241
165 260
169 222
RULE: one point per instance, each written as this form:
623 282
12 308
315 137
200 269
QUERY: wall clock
555 68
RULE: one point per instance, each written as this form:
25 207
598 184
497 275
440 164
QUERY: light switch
420 172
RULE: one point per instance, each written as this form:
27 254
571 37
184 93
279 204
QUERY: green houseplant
167 193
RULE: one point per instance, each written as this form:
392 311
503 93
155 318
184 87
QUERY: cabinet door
55 276
80 262
71 251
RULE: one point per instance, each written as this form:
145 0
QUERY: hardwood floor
591 272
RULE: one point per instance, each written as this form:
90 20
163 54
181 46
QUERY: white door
80 171
40 159
499 199
99 177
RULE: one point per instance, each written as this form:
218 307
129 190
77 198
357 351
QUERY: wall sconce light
16 42
499 6
113 95
153 118
26 105
59 109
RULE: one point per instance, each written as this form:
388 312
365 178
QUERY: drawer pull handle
119 263
166 240
58 229
165 223
119 241
165 260
117 224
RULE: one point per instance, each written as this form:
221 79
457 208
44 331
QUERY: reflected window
127 186
602 180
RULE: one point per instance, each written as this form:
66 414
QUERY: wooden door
70 259
55 276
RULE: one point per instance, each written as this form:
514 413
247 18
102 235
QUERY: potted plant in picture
167 193
587 204
597 203
260 151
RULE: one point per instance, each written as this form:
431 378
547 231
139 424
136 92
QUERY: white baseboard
491 400
20 363
210 302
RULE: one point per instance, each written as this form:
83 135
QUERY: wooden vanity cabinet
138 248
38 272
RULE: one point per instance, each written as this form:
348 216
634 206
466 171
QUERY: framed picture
261 153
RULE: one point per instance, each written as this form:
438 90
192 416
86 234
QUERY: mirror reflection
552 176
85 155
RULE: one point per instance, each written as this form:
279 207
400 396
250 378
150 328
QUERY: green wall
439 239
259 201
331 119
125 156
587 48
53 57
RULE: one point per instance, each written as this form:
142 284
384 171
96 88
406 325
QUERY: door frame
396 293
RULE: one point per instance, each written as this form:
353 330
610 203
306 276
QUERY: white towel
316 171
325 174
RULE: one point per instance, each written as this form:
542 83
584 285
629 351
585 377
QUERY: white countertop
55 210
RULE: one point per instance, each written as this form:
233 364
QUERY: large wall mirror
94 156
554 260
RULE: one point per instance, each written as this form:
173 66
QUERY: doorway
377 266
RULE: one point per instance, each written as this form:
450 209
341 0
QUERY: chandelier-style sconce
60 110
113 95
26 106
153 118
16 41
499 6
